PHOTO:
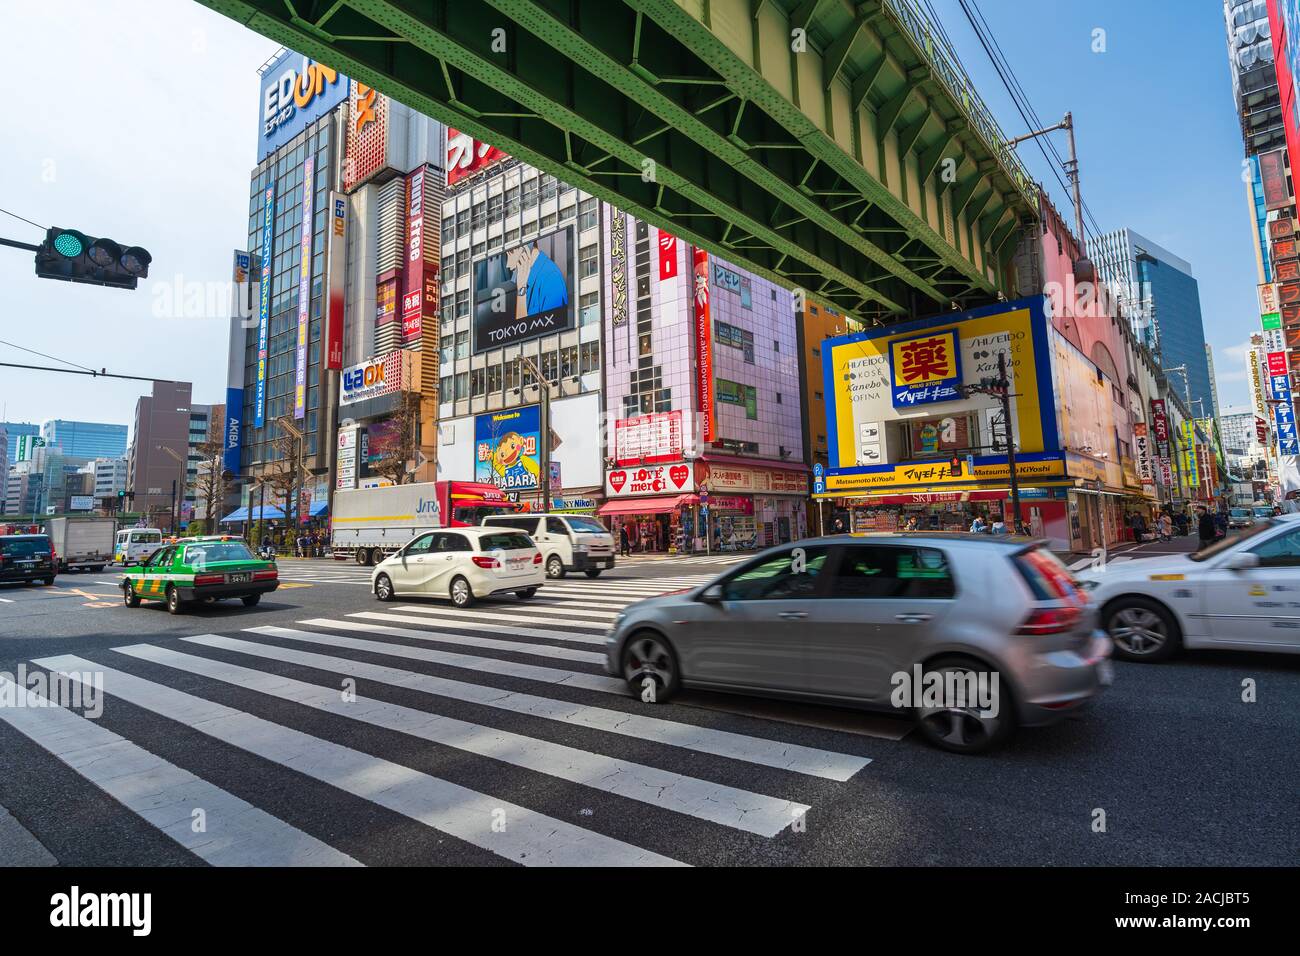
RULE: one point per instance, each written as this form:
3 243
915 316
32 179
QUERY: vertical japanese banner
337 261
264 306
413 290
618 268
667 256
703 347
304 291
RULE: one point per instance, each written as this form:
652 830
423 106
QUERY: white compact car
462 564
1242 593
568 542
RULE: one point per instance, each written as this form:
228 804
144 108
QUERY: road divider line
665 789
529 838
757 750
234 833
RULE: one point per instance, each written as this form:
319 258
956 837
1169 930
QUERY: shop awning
241 514
646 506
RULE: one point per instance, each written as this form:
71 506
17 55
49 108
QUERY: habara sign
506 448
524 292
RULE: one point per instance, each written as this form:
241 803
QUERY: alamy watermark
83 690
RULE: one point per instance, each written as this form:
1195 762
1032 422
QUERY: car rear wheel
461 593
593 572
250 600
962 726
384 588
647 655
554 567
129 597
526 593
173 600
1143 631
49 582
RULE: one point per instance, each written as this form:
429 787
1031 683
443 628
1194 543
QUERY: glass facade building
85 439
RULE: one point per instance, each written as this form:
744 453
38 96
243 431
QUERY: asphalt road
212 751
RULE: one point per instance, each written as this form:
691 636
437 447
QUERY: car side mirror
1242 561
712 594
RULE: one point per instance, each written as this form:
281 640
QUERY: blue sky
163 159
1159 146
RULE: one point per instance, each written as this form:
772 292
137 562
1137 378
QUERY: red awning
645 506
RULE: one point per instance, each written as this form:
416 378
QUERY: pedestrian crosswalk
325 572
495 730
1084 563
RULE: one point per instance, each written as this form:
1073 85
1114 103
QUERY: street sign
819 486
818 470
970 464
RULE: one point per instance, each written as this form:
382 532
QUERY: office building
17 431
157 462
85 439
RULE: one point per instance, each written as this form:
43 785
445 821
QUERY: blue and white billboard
295 91
234 424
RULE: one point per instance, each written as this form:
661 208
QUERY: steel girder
641 103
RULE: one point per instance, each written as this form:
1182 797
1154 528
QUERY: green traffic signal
69 243
72 256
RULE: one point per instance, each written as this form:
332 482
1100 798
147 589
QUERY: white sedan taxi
1241 593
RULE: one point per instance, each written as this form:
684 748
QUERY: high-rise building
16 431
85 439
109 476
157 462
345 186
1162 298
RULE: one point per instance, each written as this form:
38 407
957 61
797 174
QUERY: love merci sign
671 479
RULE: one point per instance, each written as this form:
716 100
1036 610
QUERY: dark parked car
27 557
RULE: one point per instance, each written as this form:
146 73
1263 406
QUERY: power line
53 358
22 218
90 371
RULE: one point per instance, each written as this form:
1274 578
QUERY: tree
395 460
281 474
210 482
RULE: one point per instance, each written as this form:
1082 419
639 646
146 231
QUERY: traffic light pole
1004 386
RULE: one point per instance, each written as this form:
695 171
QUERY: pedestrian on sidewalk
1166 526
1206 529
624 542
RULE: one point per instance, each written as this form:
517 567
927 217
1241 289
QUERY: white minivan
567 542
134 545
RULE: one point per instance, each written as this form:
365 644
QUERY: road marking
570 636
457 617
529 838
769 753
7 601
532 607
705 800
236 833
444 637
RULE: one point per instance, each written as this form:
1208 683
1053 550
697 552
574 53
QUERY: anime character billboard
524 292
506 448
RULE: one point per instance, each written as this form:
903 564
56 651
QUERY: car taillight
266 575
537 558
209 579
1050 620
484 561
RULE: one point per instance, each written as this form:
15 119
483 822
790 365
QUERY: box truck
368 524
82 542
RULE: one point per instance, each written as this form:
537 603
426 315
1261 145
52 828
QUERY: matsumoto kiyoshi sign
294 91
926 368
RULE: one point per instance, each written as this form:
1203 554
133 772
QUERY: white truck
371 523
82 542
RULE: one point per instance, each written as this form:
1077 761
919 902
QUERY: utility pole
544 432
1004 386
1083 267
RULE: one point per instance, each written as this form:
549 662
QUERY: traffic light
954 466
75 257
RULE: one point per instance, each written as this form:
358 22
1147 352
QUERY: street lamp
175 496
1000 388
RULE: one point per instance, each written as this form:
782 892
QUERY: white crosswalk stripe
235 833
531 838
539 662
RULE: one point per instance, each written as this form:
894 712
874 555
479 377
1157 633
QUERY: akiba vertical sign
703 346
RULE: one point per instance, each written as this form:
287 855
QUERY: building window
493 379
448 305
529 195
589 308
588 214
512 201
479 215
549 187
462 345
445 354
512 237
462 222
449 228
462 385
587 264
462 303
644 345
778 398
477 382
550 366
547 222
776 345
494 206
479 249
590 357
462 266
511 373
445 388
569 362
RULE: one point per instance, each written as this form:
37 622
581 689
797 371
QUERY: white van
134 545
567 542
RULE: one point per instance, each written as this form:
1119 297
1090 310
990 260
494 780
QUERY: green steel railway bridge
830 145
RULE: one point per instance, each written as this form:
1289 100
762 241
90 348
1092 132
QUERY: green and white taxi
200 569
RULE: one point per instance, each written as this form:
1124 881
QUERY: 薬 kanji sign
926 368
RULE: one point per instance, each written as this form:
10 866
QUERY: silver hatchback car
973 635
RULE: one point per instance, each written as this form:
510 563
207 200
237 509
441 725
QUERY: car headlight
1087 584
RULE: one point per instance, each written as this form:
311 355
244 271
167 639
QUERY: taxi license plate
1105 672
240 578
